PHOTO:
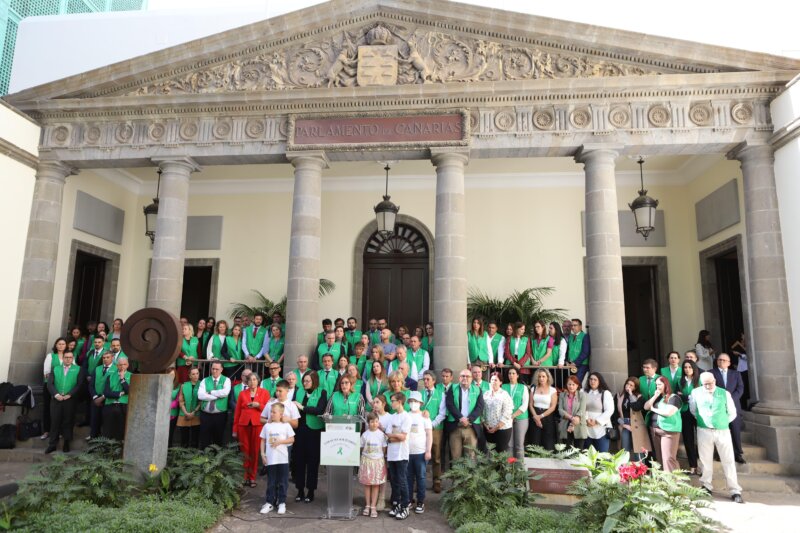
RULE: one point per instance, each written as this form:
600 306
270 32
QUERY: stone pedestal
605 299
556 477
147 428
449 267
302 292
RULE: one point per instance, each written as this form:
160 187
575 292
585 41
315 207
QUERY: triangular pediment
402 42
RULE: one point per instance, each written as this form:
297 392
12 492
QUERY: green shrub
524 518
477 527
149 513
482 485
215 474
107 448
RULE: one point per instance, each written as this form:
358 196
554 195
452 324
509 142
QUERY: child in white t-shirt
276 436
420 440
397 456
379 408
372 473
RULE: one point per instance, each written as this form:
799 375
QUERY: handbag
612 433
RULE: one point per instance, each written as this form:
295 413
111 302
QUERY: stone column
605 300
32 328
449 267
771 342
302 292
169 248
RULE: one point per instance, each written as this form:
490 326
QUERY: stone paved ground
763 512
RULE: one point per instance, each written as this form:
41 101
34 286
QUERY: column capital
444 155
175 163
54 170
301 158
588 152
746 152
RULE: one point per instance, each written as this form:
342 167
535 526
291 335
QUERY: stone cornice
18 154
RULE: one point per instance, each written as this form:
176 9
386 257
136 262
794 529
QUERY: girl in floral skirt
372 473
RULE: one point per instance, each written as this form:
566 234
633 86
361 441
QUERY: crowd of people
514 390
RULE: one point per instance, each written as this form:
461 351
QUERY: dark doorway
87 288
196 295
396 278
641 316
731 318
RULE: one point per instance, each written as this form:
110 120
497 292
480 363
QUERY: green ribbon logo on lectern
340 451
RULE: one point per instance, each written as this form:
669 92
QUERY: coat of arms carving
377 65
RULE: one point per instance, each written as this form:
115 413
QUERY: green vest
270 385
478 350
647 393
314 421
100 379
254 344
173 411
474 392
62 383
330 383
712 412
686 388
540 349
221 403
235 352
299 394
202 344
352 337
555 354
418 358
444 389
673 383
190 395
216 346
495 342
93 360
79 342
484 386
672 423
189 349
432 402
276 348
517 348
388 395
516 396
374 337
574 345
376 388
237 390
360 362
335 351
115 385
342 406
427 345
299 375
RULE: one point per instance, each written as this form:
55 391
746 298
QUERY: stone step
759 483
751 452
28 455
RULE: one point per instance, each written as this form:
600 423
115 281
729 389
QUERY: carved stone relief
388 54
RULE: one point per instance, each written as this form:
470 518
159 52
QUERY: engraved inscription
369 130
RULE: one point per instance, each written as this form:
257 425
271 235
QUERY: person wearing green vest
115 409
355 379
302 368
188 417
478 347
518 352
497 345
276 345
542 345
579 348
63 382
232 354
307 437
373 332
673 371
665 424
647 383
714 409
433 403
213 395
427 340
690 380
327 327
338 335
80 340
396 384
188 353
101 373
447 381
464 404
345 401
376 384
477 378
277 319
256 339
358 357
271 383
352 335
329 346
520 397
174 406
418 359
217 343
91 361
327 375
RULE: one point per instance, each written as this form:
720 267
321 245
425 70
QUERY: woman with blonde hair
397 383
543 405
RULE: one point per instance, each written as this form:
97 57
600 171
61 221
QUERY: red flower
512 460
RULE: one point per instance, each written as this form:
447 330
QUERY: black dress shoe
706 490
301 494
65 447
737 498
50 449
740 459
309 497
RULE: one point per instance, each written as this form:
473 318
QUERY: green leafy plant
525 306
482 484
561 452
214 474
269 307
103 447
522 519
626 497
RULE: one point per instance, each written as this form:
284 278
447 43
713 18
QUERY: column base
147 427
779 435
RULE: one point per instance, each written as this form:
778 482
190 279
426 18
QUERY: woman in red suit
247 425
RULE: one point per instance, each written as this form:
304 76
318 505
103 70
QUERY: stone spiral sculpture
152 338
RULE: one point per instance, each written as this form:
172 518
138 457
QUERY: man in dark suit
731 381
464 408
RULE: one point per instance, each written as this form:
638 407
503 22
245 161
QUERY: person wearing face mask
420 442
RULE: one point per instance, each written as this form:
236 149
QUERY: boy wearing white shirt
420 440
290 415
397 456
276 436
